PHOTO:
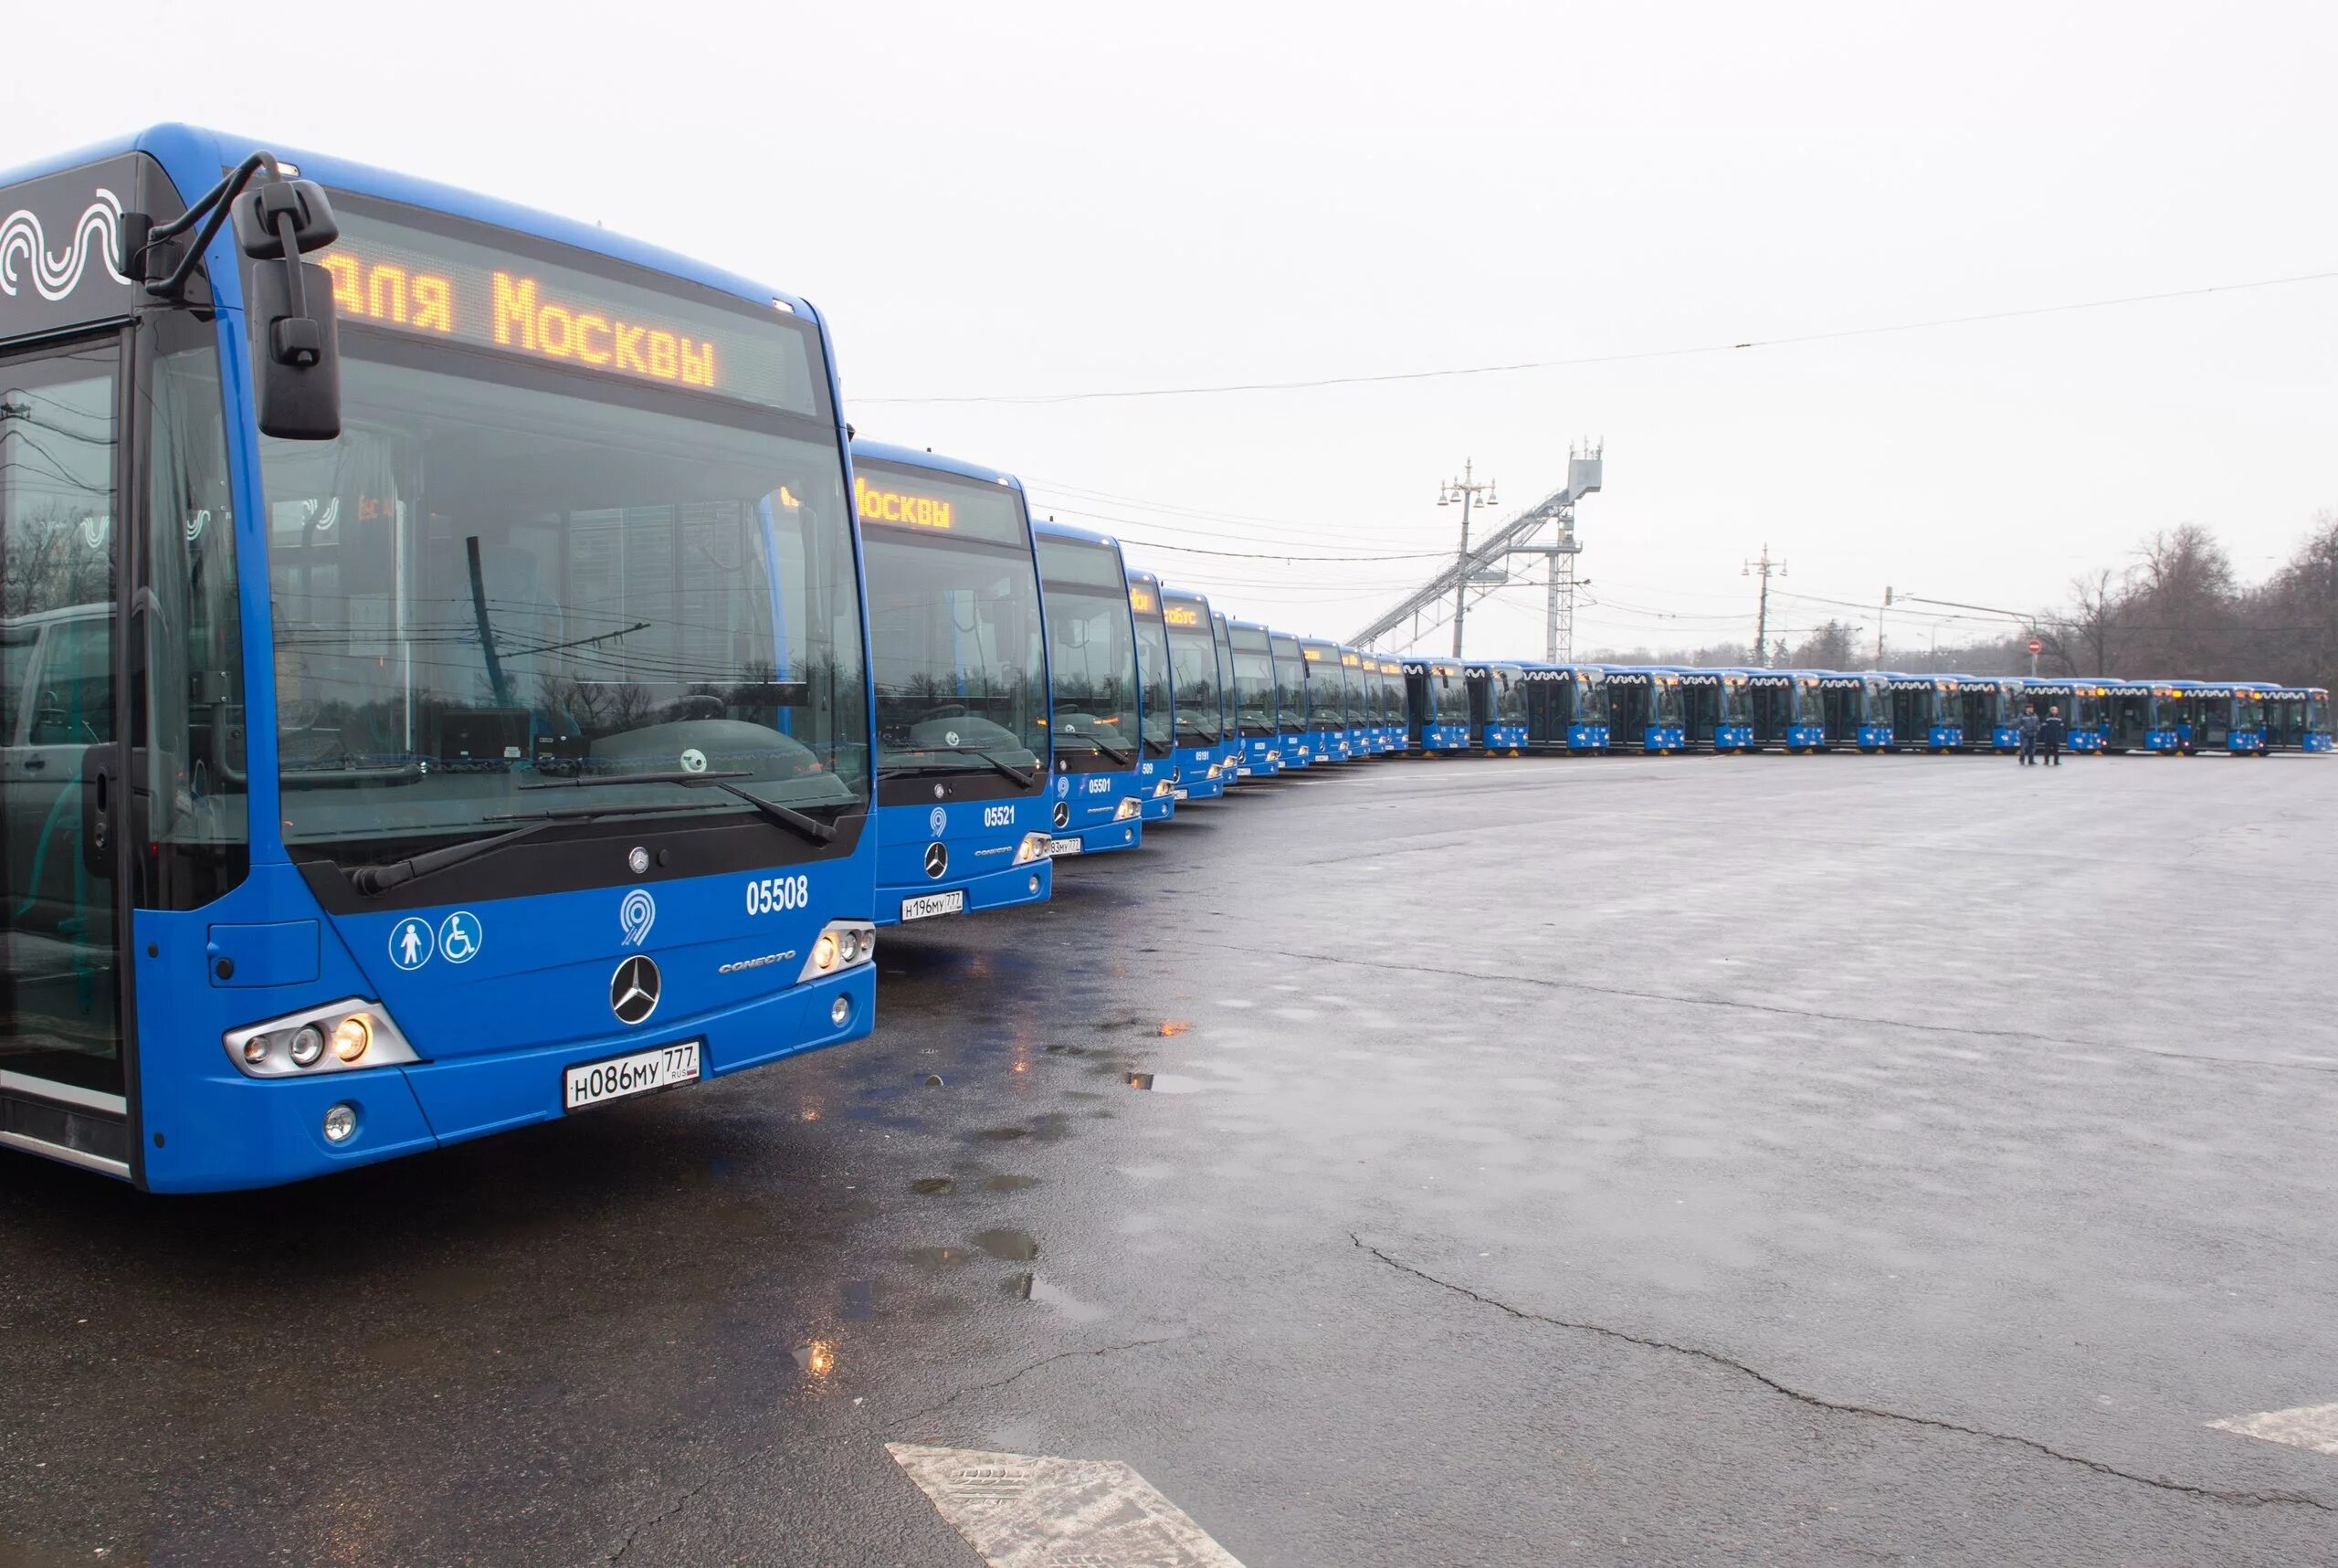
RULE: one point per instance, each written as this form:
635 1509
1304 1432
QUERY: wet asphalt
1638 1161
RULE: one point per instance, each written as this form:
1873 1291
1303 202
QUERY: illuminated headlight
1215 769
359 1033
1161 790
1129 809
841 945
1033 847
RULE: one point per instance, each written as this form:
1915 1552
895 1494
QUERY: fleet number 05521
770 895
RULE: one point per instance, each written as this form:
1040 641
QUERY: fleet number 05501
770 895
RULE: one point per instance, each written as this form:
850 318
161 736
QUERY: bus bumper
1029 883
223 1132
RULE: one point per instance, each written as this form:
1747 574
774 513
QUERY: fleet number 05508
770 895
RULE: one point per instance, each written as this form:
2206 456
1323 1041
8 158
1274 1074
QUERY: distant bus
1856 709
1229 749
1497 707
2297 718
1294 731
1093 684
1437 706
1327 701
1256 723
1644 710
2129 716
1393 703
1712 711
1363 702
1988 710
1156 707
1567 708
2082 709
1200 719
957 646
2221 716
1924 712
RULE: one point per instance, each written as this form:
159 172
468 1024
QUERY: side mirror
296 352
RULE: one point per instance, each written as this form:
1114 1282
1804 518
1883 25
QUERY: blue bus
1987 709
1497 707
1437 706
1198 723
957 644
1231 750
1855 710
434 675
1645 709
1394 711
2129 716
1327 722
1567 708
2297 718
1294 727
1156 708
1093 692
1924 712
1362 705
2220 716
2081 708
1256 723
1715 715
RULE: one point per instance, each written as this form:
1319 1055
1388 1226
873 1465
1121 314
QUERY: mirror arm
211 207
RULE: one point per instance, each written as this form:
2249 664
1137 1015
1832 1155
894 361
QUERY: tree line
2177 611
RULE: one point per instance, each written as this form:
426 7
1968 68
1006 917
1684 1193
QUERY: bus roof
194 158
1065 531
914 457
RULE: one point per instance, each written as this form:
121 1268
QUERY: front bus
1092 686
446 719
957 646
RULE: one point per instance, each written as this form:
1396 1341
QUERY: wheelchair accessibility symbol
460 937
411 943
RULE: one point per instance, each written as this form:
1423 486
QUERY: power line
1834 335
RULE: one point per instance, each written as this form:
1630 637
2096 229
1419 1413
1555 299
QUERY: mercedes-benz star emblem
937 859
1063 815
633 989
639 859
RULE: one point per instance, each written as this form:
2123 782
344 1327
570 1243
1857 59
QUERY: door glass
58 1013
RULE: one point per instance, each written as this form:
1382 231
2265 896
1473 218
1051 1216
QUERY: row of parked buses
458 670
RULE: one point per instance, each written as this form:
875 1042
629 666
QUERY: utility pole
1879 628
1766 569
1465 489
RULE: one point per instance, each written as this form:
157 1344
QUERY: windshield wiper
787 816
1006 769
1110 750
371 880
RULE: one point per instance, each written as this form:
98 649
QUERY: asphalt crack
1844 1407
1024 1372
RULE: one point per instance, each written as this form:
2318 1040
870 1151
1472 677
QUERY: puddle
938 1259
1009 1184
818 1357
859 1299
1015 1245
1004 1134
1165 1083
933 1186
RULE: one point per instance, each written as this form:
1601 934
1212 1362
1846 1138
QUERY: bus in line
1856 709
1198 723
1250 649
1497 707
958 651
452 702
1327 721
1093 692
1645 709
1924 712
2297 718
1437 706
1156 706
1294 729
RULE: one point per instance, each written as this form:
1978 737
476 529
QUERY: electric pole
1465 489
1879 628
1766 569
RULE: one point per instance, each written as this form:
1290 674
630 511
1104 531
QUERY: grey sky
1018 199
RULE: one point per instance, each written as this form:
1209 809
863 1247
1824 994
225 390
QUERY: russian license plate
638 1074
1180 795
1063 847
925 906
1242 773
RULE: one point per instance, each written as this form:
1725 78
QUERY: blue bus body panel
979 839
1201 772
1087 810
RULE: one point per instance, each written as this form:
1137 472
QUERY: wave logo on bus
97 231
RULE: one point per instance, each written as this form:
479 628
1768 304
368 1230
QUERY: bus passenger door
63 1078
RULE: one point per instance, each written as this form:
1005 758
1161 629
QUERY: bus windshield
1193 666
1091 652
1254 680
1590 700
1291 684
511 575
1152 664
953 620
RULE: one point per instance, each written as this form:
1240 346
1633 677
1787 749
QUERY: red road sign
2037 646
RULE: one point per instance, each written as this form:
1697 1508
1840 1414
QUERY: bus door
1701 711
2212 725
2127 718
65 1078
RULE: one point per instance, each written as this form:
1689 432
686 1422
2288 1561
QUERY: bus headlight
1129 810
1161 790
841 945
1033 847
1215 769
361 1034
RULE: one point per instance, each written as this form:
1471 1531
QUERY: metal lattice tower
1483 568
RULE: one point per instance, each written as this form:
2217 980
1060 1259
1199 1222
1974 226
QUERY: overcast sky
1004 200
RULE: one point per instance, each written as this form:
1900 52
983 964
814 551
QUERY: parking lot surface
1638 1161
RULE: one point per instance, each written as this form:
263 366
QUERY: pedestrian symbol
411 943
459 937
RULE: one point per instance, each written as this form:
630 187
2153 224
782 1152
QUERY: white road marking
1020 1511
2313 1427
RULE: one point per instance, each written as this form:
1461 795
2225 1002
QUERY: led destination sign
933 503
405 280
